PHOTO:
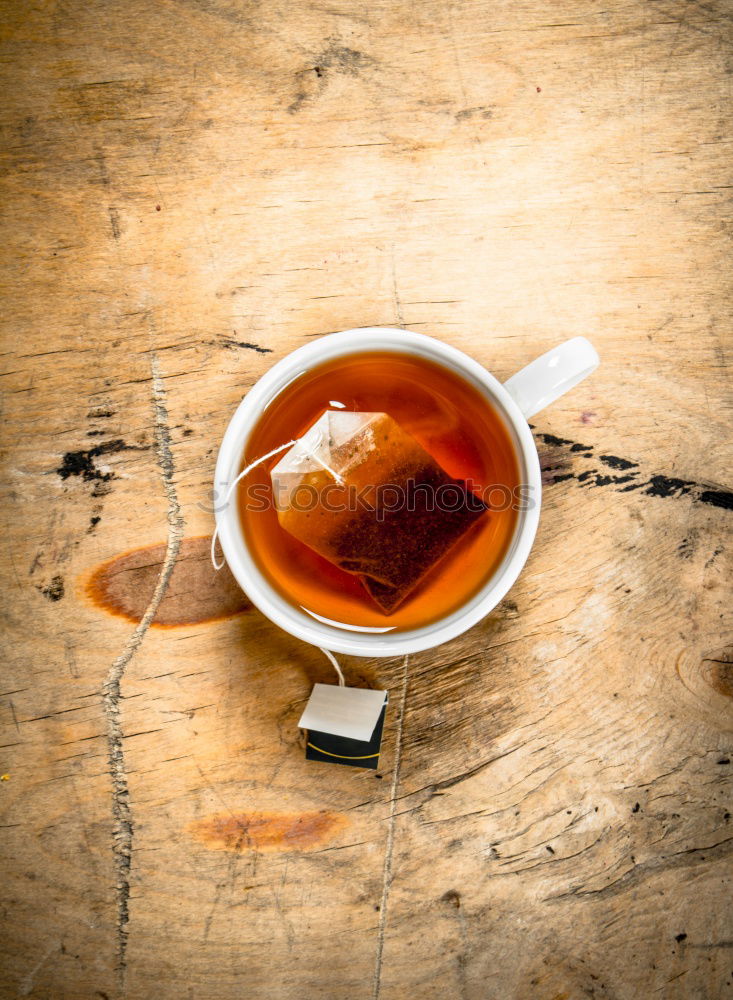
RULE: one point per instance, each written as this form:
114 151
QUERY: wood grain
190 191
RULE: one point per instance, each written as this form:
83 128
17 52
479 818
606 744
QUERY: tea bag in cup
365 495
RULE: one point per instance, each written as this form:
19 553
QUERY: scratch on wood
640 872
121 811
453 898
114 218
387 876
395 293
26 985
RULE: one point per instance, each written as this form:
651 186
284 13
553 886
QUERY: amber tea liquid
450 419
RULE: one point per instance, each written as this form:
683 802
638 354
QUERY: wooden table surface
192 189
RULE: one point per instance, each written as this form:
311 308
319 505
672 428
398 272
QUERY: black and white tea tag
344 725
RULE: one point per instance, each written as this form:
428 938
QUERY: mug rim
361 641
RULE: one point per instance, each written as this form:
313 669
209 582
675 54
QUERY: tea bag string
319 461
327 653
253 465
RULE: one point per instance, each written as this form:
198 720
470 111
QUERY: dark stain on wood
336 59
247 345
267 831
614 462
557 456
114 219
718 672
82 463
107 100
467 113
196 593
555 465
54 591
717 498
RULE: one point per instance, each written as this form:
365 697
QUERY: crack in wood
639 872
395 293
121 810
387 872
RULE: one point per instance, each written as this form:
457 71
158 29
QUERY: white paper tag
343 711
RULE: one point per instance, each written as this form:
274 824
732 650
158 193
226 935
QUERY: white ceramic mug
523 395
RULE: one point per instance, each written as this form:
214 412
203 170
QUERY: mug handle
548 377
